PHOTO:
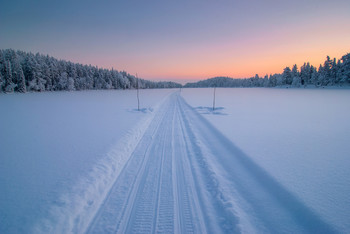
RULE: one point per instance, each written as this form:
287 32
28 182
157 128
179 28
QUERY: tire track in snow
145 207
73 211
190 214
251 200
217 218
186 177
156 191
117 206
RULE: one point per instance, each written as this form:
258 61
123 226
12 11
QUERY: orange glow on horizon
240 59
262 53
182 40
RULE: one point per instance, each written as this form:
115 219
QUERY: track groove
186 177
157 191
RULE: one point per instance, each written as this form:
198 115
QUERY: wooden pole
137 89
214 99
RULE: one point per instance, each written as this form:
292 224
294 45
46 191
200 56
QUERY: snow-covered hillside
265 160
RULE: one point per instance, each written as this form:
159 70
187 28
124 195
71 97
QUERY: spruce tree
21 83
2 83
287 76
9 85
345 68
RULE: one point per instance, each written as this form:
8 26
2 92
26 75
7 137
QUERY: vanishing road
185 177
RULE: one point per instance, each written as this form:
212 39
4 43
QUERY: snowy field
266 160
57 150
300 137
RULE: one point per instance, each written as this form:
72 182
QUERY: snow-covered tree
287 76
18 75
345 69
305 74
9 85
21 82
296 80
314 76
333 72
2 83
325 72
266 82
273 80
108 80
21 71
63 81
123 81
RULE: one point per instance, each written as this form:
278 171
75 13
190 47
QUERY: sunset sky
180 39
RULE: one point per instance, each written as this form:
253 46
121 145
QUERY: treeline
331 73
27 72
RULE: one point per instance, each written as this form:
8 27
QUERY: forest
332 72
27 72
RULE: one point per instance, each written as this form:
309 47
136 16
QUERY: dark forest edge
27 72
334 73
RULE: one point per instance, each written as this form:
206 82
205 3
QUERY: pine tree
325 73
9 85
2 72
296 80
72 76
333 72
287 76
21 85
273 80
46 74
70 84
321 76
305 74
18 75
345 67
266 82
314 76
54 74
2 83
63 81
108 79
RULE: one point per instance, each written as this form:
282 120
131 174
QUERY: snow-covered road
156 191
186 177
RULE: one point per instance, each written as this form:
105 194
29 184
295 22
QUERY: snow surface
265 160
58 152
299 136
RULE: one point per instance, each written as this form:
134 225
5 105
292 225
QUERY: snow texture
299 136
263 161
60 151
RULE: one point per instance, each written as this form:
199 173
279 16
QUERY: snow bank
60 152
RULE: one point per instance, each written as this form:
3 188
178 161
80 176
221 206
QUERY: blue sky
180 39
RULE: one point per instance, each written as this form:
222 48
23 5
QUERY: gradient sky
180 39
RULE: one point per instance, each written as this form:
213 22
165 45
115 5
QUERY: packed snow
58 152
264 160
299 136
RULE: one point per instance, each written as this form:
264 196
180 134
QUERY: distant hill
217 82
332 73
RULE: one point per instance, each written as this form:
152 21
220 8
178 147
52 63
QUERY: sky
180 40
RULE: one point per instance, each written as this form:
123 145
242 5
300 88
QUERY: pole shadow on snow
302 215
209 110
141 110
